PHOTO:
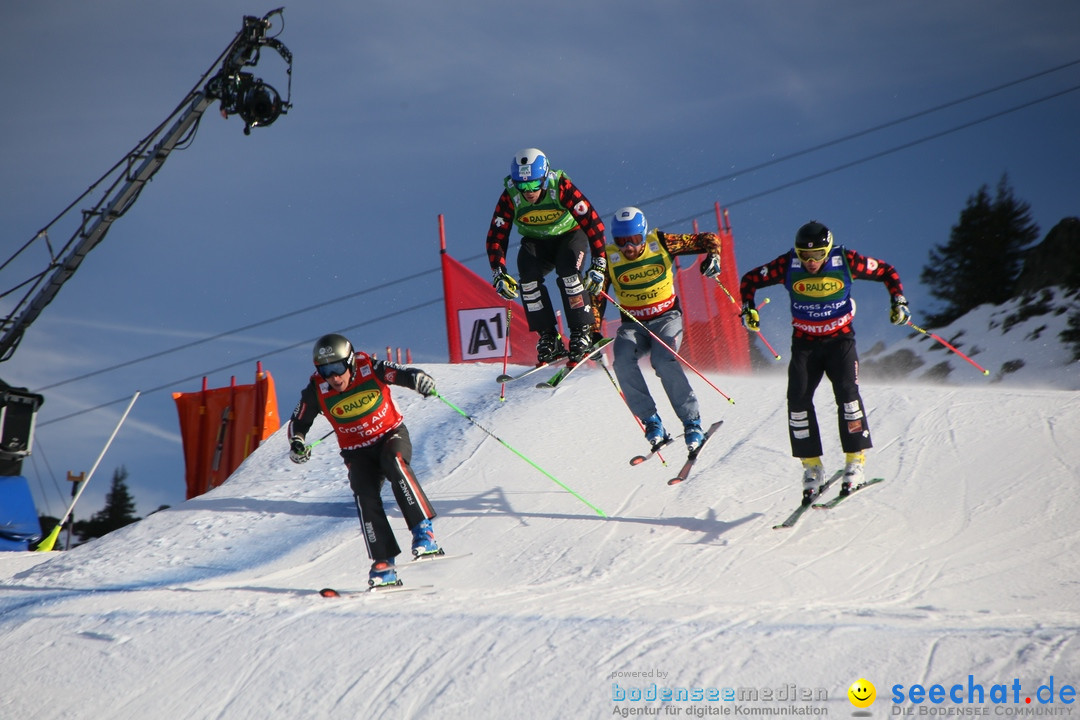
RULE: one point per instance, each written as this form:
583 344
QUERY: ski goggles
629 240
529 185
333 369
812 255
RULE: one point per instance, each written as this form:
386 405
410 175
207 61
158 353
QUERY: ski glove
504 283
424 383
750 319
899 313
710 266
298 451
594 278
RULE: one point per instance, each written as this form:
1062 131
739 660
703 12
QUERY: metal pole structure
48 543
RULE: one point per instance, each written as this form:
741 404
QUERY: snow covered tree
984 255
119 510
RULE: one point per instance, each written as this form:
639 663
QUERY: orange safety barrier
222 426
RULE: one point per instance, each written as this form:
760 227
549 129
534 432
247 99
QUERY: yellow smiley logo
862 693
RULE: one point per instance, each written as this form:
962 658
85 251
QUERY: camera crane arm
257 103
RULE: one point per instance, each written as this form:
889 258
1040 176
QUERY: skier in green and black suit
559 229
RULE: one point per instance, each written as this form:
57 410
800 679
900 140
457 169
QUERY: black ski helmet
333 348
812 236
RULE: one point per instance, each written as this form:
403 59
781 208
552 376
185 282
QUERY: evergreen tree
984 255
119 510
1071 335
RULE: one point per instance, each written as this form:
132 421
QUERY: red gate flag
476 326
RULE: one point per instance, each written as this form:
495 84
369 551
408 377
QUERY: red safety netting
714 336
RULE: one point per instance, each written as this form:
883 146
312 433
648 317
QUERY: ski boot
853 471
813 478
693 435
654 432
423 543
550 347
580 344
383 574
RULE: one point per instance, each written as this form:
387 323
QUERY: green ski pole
505 444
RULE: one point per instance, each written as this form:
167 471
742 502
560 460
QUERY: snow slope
966 561
1017 342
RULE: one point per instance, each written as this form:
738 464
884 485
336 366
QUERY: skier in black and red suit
818 277
352 390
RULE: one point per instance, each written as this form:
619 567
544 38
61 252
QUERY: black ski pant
565 254
811 359
369 467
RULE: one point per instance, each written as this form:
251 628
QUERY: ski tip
637 459
329 593
504 379
674 481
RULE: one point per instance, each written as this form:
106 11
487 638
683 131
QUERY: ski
794 517
638 459
564 372
429 559
511 378
692 457
397 587
839 498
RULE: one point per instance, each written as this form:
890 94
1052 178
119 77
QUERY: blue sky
405 110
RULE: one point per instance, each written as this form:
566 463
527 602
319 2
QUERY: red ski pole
683 360
604 364
736 302
942 341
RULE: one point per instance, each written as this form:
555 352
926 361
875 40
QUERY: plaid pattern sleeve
772 273
498 236
868 268
583 211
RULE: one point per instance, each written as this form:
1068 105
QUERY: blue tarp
19 526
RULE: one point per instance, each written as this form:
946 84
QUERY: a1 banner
483 333
476 319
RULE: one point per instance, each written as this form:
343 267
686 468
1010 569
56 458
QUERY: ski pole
321 439
670 349
47 544
603 364
505 444
506 352
942 341
736 302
